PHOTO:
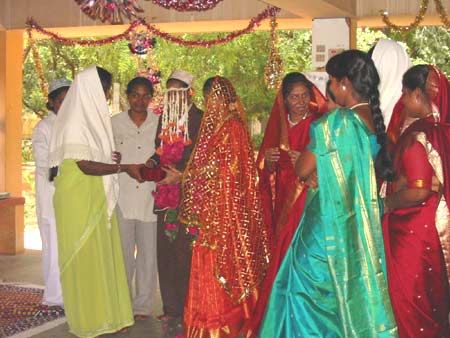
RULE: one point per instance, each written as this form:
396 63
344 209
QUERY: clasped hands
173 175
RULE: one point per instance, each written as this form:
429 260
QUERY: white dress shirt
136 144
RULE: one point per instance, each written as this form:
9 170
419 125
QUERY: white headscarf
391 61
83 130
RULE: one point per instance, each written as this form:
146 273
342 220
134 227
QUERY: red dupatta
439 97
438 136
278 134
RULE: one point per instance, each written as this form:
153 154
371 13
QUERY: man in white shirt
134 132
44 194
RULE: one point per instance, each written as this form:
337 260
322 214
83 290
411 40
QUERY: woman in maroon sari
297 104
417 222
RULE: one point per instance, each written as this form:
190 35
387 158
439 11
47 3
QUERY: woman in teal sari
332 281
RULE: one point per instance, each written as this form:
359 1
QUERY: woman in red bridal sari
297 104
221 198
417 224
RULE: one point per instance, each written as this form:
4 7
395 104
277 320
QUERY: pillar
12 225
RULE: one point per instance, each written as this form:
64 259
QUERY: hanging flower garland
187 5
152 72
273 72
38 64
112 11
140 42
419 17
254 22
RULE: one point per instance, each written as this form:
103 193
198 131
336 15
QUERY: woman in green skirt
93 279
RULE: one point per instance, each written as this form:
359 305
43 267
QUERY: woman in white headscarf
93 279
391 61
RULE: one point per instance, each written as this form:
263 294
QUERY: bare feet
164 318
124 329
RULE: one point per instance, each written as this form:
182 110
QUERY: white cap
58 83
182 76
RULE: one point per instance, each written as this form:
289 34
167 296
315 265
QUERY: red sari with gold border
417 239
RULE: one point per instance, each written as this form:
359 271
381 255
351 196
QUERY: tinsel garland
273 72
442 13
112 11
254 22
419 17
38 64
83 42
187 5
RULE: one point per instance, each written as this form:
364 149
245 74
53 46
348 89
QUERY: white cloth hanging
84 129
391 61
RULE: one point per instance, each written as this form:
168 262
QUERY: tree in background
241 60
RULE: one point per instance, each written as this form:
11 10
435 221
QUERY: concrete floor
26 268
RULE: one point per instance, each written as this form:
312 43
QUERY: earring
344 88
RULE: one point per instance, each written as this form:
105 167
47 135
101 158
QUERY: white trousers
139 237
52 290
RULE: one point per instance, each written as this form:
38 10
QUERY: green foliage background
242 61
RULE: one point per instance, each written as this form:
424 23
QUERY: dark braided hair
360 70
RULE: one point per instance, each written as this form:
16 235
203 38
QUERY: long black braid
360 70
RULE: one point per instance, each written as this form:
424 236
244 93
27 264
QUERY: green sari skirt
94 284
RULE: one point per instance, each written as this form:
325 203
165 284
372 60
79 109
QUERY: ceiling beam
317 8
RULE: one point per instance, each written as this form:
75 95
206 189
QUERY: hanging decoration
83 42
140 42
254 22
419 17
112 11
187 5
38 64
273 72
442 13
151 71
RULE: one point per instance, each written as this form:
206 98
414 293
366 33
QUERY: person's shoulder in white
44 125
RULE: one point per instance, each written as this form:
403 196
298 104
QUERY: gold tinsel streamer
273 71
38 64
419 17
442 13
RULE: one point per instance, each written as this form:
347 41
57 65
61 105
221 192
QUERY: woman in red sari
221 198
417 224
296 106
